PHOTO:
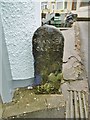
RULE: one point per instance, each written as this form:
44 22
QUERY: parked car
57 19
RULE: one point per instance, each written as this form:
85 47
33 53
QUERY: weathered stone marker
48 43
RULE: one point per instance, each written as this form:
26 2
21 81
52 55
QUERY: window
59 5
46 7
42 7
65 5
53 6
57 14
74 5
84 4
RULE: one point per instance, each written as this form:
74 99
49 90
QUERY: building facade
70 5
52 6
18 20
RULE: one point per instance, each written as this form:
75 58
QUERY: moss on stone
48 44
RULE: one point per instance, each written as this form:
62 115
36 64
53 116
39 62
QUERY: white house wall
20 19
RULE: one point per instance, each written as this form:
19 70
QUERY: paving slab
72 63
81 85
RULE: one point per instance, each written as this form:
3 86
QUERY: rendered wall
20 19
0 56
18 22
5 72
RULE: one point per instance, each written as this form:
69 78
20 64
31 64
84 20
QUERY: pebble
21 97
49 104
63 105
35 98
17 89
24 112
28 104
30 87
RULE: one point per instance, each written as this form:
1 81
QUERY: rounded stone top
48 33
49 28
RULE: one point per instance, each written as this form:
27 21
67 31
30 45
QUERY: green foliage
51 86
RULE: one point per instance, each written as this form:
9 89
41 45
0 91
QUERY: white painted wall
0 56
20 19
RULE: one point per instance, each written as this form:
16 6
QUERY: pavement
26 101
74 63
73 67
